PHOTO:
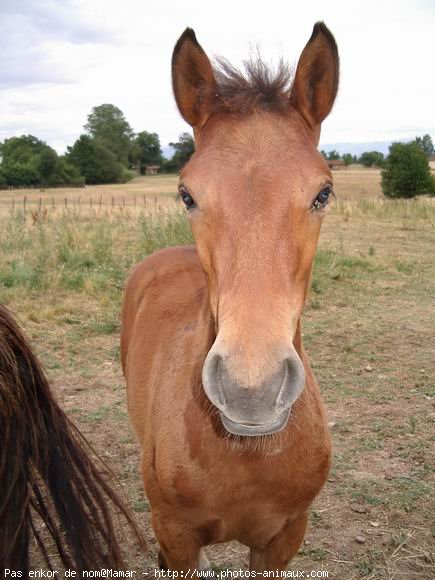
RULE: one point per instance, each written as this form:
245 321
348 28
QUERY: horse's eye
322 198
188 200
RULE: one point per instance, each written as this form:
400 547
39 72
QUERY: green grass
403 493
82 256
78 252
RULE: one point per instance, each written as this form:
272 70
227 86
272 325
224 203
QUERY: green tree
3 180
95 162
47 164
107 125
184 149
22 149
27 161
372 159
68 173
147 150
333 155
348 158
407 172
426 145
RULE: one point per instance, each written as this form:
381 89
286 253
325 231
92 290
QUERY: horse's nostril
292 383
211 379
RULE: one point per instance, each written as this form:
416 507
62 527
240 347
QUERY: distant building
151 169
432 161
336 163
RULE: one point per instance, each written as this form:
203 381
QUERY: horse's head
256 190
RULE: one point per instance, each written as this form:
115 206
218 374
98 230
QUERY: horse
48 470
221 396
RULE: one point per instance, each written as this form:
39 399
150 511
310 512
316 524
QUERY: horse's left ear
193 80
316 81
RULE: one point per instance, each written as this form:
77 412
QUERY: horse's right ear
316 80
193 80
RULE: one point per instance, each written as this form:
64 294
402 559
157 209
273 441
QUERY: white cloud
61 59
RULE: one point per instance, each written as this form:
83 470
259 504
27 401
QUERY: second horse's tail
46 469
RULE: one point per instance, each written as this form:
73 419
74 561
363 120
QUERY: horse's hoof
161 561
204 563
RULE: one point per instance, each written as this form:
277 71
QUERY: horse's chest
271 485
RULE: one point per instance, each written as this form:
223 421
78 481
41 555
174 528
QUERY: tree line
107 152
405 170
110 152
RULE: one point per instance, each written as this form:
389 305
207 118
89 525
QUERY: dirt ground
369 329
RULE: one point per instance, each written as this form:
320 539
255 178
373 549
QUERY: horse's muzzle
253 409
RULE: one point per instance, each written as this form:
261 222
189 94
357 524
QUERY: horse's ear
193 80
316 81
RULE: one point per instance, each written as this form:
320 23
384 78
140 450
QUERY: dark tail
46 469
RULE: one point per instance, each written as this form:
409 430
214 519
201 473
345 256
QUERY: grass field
162 187
369 328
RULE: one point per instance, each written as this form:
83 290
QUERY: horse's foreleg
281 549
180 550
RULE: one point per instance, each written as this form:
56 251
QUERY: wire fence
33 203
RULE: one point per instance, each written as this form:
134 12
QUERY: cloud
52 20
33 38
61 58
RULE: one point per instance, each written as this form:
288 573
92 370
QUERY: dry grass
369 328
128 194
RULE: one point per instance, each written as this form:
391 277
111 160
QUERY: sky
60 58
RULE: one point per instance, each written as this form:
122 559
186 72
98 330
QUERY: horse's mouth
256 430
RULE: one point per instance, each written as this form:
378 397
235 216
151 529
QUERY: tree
68 173
348 158
372 158
95 162
333 155
407 172
426 145
147 150
184 149
29 162
107 124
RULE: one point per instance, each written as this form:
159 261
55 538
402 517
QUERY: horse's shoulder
165 288
161 270
167 273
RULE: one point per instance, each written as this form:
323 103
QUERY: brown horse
48 472
220 391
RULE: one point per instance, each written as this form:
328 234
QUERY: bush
21 174
372 158
126 175
407 172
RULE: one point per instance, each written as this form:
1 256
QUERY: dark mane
258 86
